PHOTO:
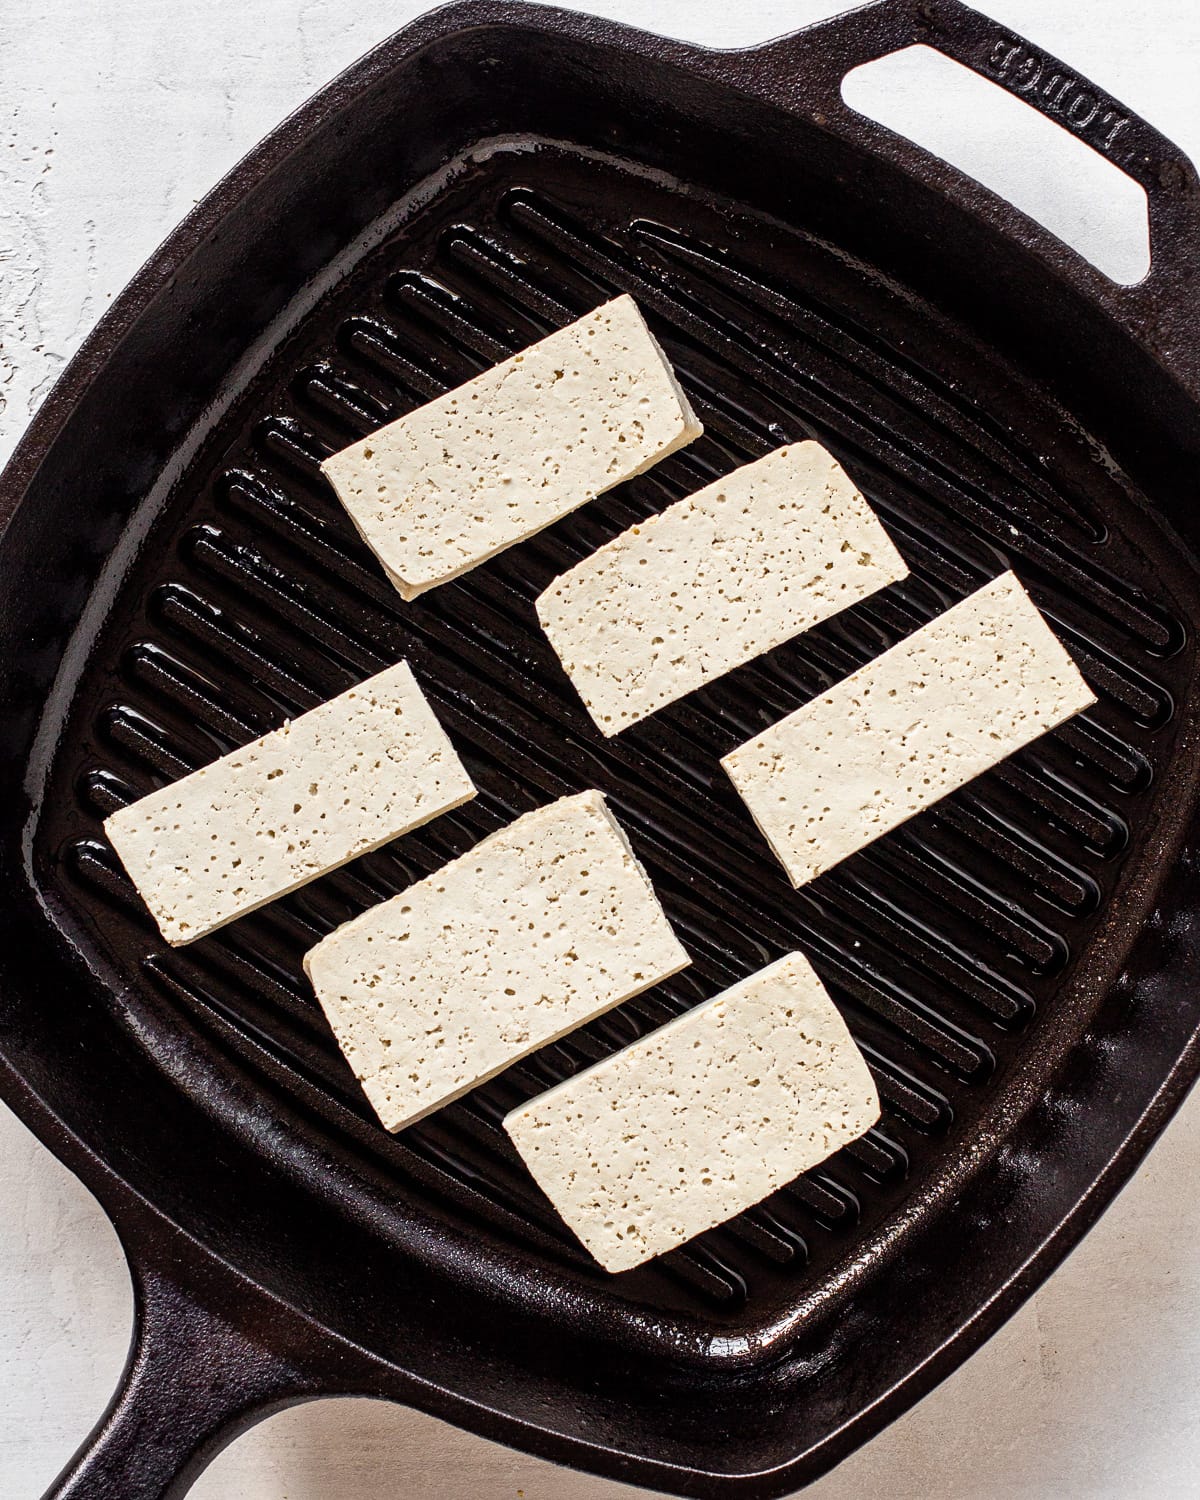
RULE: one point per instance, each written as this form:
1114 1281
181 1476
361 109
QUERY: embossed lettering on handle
1026 128
1075 104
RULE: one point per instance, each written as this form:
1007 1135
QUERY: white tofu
537 930
701 1119
714 581
446 487
338 781
938 709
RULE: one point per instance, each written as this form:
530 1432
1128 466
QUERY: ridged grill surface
946 943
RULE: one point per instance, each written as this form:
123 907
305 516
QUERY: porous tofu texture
538 929
338 781
484 466
940 708
701 1119
715 580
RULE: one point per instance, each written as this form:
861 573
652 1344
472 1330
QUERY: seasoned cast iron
1018 964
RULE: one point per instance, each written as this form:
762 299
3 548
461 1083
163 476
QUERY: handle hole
1003 143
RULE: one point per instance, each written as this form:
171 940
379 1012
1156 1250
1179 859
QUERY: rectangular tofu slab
338 781
701 1119
714 581
938 709
537 930
486 465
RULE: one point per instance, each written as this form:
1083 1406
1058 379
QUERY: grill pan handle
805 71
211 1355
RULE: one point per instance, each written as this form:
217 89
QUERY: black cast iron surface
1016 965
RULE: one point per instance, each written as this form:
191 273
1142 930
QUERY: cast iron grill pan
972 951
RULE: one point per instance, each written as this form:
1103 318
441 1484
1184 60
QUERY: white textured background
115 116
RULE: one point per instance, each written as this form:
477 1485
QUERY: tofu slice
264 820
938 709
701 1119
714 581
484 466
540 928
